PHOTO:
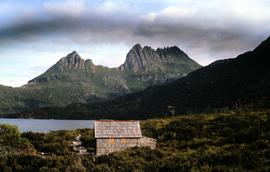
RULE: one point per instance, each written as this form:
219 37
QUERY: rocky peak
147 60
137 59
66 65
73 61
136 47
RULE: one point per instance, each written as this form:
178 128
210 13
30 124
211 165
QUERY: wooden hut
116 135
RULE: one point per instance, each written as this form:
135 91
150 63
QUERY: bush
9 135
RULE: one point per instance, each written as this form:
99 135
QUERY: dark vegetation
231 141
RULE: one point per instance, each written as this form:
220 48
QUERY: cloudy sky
36 34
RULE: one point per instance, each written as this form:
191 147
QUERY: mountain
73 79
145 64
241 81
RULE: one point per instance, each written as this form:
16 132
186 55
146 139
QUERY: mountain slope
242 80
73 79
224 83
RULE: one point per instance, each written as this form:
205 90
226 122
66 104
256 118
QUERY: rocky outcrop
73 61
148 60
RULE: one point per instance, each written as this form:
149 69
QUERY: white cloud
172 12
254 13
110 6
214 12
65 7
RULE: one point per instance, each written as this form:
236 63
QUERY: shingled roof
117 129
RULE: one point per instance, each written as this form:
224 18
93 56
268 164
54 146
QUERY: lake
46 125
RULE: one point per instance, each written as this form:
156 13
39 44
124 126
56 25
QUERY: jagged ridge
148 60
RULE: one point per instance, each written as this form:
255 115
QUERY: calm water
46 125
